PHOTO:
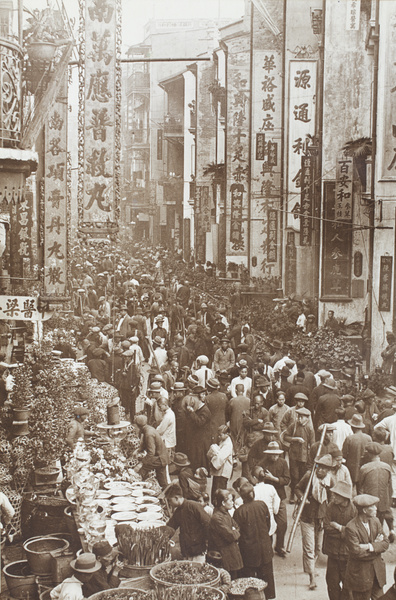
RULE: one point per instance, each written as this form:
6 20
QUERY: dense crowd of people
263 428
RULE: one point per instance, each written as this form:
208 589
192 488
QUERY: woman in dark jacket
255 544
224 533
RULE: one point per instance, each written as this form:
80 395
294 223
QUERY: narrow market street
197 299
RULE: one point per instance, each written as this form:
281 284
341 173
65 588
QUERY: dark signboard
385 284
337 250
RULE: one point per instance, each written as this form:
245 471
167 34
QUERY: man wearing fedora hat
365 573
198 436
354 446
84 567
276 345
185 474
340 471
177 395
216 401
276 472
339 512
256 453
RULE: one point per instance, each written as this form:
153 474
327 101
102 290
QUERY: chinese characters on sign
100 98
385 284
239 94
56 197
21 215
344 188
19 308
302 113
337 249
266 169
291 264
237 190
203 212
272 236
307 200
353 15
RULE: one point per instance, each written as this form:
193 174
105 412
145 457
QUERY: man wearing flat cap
314 512
339 512
224 357
365 574
375 478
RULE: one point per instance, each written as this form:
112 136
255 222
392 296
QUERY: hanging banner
386 116
385 284
301 119
238 151
99 117
56 196
266 169
337 250
237 190
307 200
344 188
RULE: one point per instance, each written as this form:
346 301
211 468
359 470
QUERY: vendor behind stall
76 428
84 567
107 576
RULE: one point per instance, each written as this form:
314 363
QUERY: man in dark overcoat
365 573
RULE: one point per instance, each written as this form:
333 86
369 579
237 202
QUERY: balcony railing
138 82
10 94
173 125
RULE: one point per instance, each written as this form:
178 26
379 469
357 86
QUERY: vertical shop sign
385 284
344 188
260 146
353 15
387 107
238 103
237 190
307 200
291 264
99 116
56 196
301 117
266 169
272 235
337 250
205 209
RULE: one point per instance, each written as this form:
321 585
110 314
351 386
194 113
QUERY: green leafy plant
22 393
44 25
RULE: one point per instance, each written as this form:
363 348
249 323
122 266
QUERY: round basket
184 567
243 583
121 594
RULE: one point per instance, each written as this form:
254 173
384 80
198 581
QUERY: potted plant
21 398
44 33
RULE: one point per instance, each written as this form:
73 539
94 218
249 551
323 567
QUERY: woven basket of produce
185 573
239 586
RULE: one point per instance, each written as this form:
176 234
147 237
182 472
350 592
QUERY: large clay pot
44 51
38 552
21 582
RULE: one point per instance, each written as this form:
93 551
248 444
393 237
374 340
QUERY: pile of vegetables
239 586
186 573
172 593
144 547
181 593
